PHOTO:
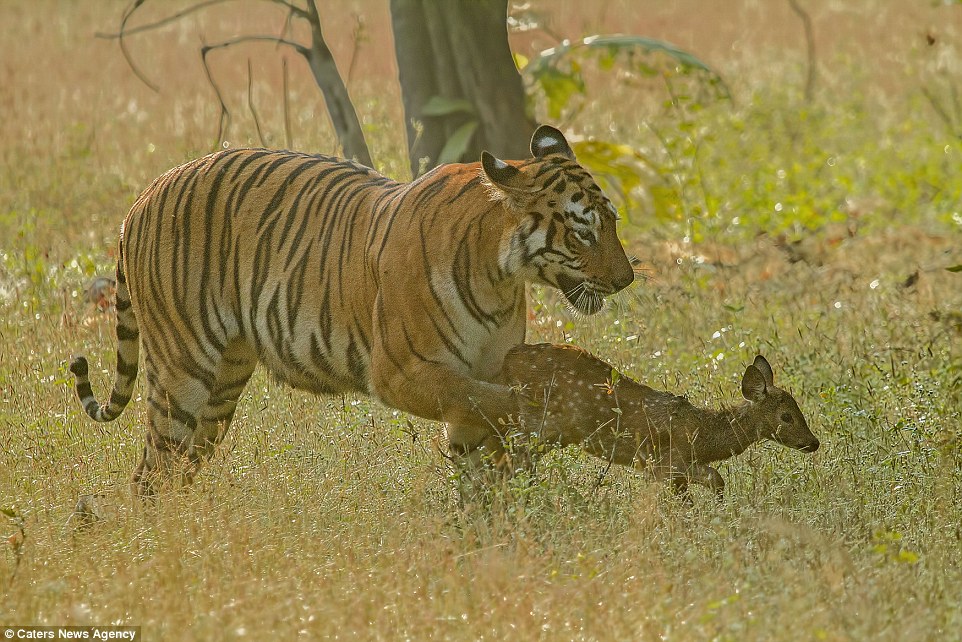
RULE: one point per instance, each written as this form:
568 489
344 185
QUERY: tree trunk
425 136
458 50
338 101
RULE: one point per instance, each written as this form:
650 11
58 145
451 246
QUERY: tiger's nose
624 277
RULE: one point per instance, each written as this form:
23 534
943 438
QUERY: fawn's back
571 397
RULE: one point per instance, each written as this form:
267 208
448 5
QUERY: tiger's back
242 243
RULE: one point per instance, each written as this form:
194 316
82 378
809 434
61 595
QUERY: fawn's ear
754 386
765 368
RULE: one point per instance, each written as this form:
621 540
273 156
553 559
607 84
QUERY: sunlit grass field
819 233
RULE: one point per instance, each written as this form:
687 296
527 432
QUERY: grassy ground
816 233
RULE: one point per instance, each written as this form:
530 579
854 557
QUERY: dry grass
325 518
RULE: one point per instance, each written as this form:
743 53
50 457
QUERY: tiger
339 279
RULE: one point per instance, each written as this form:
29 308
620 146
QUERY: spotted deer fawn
569 397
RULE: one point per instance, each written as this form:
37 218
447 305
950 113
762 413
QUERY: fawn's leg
677 476
679 483
707 477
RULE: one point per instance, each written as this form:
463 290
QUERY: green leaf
618 166
558 70
458 142
907 557
608 46
558 87
954 268
442 106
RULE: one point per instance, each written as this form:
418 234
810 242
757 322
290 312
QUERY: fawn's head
776 411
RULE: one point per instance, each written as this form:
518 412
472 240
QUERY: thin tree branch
225 117
358 37
123 46
298 47
286 29
224 122
293 10
250 102
288 136
810 45
318 56
153 25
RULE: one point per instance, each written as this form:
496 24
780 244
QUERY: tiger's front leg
476 412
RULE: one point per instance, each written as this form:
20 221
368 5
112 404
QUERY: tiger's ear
505 177
548 140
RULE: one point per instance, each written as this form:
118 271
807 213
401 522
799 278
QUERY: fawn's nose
810 447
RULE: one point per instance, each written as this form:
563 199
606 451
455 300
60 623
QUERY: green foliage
621 169
458 142
442 106
559 73
639 178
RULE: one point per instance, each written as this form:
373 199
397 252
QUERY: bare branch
224 112
225 117
317 54
291 14
810 47
154 25
288 136
358 39
293 10
250 102
123 45
298 47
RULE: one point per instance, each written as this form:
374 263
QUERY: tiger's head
565 237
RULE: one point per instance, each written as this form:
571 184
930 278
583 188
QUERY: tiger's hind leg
237 365
175 400
187 417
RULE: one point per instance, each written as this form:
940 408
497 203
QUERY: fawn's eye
786 418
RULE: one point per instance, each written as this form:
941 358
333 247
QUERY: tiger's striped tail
128 355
